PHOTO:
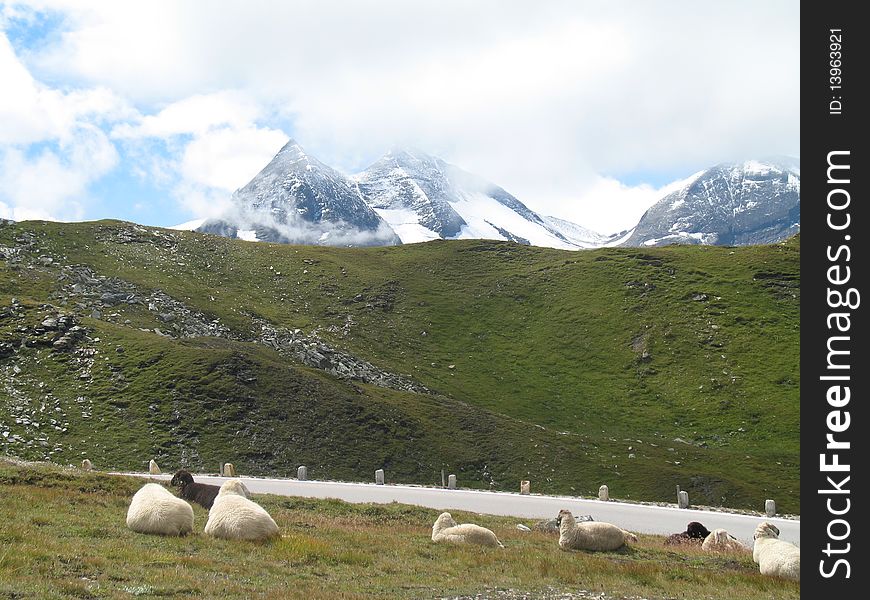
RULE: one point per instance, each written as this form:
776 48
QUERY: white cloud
201 200
32 112
53 184
51 144
195 114
213 144
228 158
606 206
549 102
200 148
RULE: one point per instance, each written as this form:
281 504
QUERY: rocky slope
498 362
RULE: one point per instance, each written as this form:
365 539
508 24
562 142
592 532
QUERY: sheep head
766 530
697 530
566 517
181 478
443 521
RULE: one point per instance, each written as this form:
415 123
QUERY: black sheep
694 534
201 493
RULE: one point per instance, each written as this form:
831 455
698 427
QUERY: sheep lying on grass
694 534
86 465
445 529
720 540
775 556
593 535
155 510
234 517
201 493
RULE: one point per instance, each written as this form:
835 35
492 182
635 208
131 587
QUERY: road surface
640 518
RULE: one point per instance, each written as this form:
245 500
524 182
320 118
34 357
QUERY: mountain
736 204
298 199
423 198
409 196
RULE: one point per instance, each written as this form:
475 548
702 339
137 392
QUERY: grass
64 537
639 368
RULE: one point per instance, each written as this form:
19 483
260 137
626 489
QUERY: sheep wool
775 556
720 540
591 535
235 517
155 510
446 530
235 486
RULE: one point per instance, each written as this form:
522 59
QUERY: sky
156 111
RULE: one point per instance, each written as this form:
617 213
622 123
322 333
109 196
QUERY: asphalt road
633 517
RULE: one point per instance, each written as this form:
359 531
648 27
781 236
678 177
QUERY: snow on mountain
298 199
189 225
754 202
422 198
408 196
576 234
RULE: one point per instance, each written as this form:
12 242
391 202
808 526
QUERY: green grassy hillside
639 368
64 536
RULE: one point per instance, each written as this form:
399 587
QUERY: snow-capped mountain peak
424 197
298 199
752 202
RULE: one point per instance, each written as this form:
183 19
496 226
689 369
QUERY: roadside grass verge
64 536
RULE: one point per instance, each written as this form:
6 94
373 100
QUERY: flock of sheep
773 556
234 516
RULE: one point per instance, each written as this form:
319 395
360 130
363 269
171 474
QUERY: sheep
234 517
155 510
694 534
593 535
445 529
86 465
229 470
153 469
775 556
720 540
201 493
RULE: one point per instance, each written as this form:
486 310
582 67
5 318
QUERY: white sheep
590 535
445 529
155 510
229 470
153 469
86 465
720 540
775 556
235 517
